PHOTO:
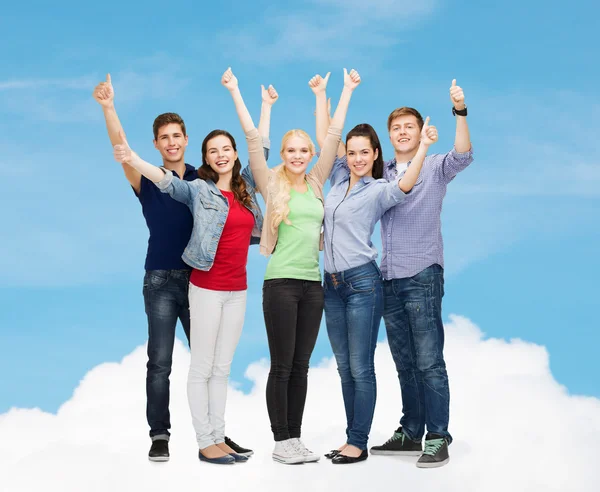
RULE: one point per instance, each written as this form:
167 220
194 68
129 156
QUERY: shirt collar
392 163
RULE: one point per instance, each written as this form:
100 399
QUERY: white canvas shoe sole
288 460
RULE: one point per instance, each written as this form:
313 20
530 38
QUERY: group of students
202 223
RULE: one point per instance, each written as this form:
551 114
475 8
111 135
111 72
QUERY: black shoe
332 454
237 448
342 459
399 444
436 452
159 451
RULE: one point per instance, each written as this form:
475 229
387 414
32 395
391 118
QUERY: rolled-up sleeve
450 164
389 193
179 189
258 162
340 170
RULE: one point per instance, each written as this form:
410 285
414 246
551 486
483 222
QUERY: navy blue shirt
169 223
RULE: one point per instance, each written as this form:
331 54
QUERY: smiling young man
412 267
166 279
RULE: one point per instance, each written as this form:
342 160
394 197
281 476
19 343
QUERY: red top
228 271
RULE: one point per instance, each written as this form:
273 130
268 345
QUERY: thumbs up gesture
429 133
269 95
229 80
457 96
104 93
352 79
319 84
123 152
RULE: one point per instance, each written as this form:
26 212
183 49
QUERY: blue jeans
166 300
413 320
353 308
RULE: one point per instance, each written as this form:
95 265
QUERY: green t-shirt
296 254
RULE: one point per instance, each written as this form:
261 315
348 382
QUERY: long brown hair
238 185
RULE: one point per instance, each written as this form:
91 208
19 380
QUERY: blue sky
521 225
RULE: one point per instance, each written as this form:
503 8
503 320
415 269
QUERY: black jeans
166 301
293 310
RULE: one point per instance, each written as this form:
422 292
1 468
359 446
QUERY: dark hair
366 130
165 119
238 185
403 112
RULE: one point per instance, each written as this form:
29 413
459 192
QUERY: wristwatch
459 112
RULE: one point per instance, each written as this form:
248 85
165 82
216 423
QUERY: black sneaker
436 452
237 448
159 450
399 444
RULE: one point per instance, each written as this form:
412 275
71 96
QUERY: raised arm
258 163
455 161
334 133
318 85
179 189
462 140
429 136
104 94
269 97
322 123
126 156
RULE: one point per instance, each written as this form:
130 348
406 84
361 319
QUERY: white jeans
217 318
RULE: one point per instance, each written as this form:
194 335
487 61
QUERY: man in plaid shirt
412 267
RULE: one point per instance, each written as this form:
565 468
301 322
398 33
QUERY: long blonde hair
279 188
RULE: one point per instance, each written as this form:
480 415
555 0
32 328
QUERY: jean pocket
424 278
155 279
275 282
364 285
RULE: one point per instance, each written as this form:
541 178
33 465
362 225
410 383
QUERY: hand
104 93
123 152
457 96
319 84
352 79
269 95
429 133
229 80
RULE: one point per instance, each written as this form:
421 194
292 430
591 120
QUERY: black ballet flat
342 459
332 454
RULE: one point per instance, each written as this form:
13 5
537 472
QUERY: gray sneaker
436 452
399 445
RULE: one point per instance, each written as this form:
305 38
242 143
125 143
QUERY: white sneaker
286 452
309 456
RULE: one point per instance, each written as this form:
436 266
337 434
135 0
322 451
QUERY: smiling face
361 156
171 142
297 150
220 154
405 134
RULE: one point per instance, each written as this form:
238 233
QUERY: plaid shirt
411 232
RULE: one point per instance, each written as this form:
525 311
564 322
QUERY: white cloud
77 83
68 100
515 428
330 30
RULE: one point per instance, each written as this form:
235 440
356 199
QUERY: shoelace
301 448
395 437
290 448
432 446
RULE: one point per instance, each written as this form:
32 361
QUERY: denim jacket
209 208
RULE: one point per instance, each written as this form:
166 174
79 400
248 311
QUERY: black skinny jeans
293 310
